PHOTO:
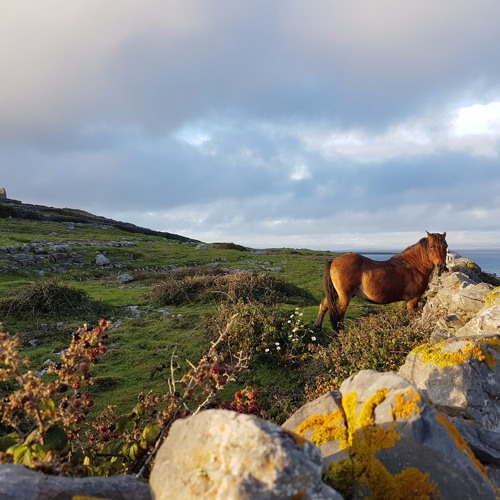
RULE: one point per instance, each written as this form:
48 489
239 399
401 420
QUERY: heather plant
379 341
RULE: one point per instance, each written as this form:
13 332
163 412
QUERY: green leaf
48 406
131 450
33 437
56 438
39 450
22 455
7 441
151 432
122 422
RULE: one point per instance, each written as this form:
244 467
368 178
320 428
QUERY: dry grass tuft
185 286
47 299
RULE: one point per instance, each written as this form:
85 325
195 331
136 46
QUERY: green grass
140 345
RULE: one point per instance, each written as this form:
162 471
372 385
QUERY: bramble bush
45 424
180 286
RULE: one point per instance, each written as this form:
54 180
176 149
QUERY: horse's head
437 246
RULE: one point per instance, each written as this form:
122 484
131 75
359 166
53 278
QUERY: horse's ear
444 234
428 234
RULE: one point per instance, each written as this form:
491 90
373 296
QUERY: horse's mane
411 253
421 243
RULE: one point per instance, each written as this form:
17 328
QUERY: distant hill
20 210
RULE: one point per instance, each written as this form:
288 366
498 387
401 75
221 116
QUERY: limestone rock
221 454
462 376
324 405
101 260
487 321
484 443
493 297
394 443
125 278
20 483
455 293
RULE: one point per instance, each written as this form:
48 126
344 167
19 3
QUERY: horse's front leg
412 304
323 308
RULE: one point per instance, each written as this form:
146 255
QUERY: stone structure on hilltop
3 194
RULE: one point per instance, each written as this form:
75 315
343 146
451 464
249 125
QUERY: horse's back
355 262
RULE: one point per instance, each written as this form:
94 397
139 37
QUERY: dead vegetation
47 299
184 286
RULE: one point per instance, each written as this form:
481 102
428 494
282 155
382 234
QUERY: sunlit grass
138 346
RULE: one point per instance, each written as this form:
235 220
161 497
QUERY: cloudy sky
324 124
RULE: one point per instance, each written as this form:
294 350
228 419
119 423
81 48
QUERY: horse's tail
331 297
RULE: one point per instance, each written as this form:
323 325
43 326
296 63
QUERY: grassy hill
60 268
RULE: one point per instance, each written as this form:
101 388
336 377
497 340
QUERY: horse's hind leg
323 308
336 317
343 302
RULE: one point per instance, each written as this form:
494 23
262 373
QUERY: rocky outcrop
460 369
3 193
57 257
380 437
222 454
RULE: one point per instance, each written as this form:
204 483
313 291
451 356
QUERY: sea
487 260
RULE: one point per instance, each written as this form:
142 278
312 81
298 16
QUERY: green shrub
229 246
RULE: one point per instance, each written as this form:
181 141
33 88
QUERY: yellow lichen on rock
493 297
437 355
366 415
406 404
417 484
362 438
325 428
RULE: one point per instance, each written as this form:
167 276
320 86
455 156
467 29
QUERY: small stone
125 278
101 260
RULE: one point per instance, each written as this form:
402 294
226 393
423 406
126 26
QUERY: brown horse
404 276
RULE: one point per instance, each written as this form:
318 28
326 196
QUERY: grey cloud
95 98
346 61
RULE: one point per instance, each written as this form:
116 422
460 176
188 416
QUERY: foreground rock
19 483
225 455
381 438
